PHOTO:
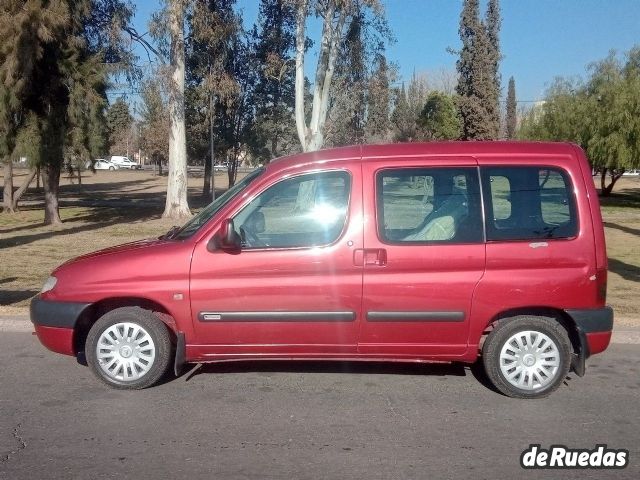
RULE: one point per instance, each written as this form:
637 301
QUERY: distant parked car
124 162
220 167
102 164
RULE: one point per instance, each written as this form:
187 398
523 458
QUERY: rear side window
429 205
525 203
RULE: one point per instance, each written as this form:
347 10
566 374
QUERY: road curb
15 323
21 323
626 335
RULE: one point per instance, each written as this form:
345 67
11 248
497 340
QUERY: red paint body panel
59 340
481 280
293 280
152 270
598 341
417 278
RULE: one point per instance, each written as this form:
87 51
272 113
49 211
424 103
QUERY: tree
119 122
53 68
211 86
273 42
377 128
601 114
613 119
167 27
347 107
359 60
54 62
335 14
493 22
409 105
27 35
402 118
154 125
176 206
478 80
511 119
439 119
236 115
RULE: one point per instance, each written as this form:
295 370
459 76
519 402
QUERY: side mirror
226 239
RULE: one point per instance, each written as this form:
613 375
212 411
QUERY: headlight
49 283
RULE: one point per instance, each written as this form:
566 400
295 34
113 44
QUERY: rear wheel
111 168
129 348
527 356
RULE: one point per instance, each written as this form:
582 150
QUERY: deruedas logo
559 456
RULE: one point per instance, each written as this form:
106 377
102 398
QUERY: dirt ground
110 208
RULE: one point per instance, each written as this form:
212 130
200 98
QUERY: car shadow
625 270
9 297
623 228
325 366
627 198
479 373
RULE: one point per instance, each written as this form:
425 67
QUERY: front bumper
54 323
594 328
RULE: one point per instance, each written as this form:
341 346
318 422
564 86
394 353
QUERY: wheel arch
96 310
559 315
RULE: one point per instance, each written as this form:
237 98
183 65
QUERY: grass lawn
110 208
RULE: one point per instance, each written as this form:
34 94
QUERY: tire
136 348
527 356
111 168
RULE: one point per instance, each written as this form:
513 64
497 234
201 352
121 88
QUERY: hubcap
125 352
529 360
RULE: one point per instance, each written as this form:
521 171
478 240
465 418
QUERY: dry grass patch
621 214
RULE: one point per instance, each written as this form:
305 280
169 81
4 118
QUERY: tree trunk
23 188
312 136
7 197
603 180
301 122
51 182
209 189
176 206
79 175
208 180
615 176
605 190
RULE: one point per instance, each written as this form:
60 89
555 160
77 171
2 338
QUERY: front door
293 288
423 256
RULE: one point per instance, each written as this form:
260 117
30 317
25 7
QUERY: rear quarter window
429 205
524 203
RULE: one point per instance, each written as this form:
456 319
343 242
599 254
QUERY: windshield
193 225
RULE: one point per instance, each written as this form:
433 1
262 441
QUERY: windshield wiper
172 231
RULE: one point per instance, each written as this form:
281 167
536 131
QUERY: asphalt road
303 420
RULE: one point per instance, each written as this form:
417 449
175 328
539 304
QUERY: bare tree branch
135 36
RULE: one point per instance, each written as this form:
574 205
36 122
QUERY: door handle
363 257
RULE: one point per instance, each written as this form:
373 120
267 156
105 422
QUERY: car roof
416 149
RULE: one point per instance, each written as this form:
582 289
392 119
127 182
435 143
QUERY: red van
406 252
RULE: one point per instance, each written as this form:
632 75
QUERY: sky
540 39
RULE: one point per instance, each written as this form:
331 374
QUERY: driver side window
304 211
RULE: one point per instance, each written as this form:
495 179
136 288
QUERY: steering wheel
250 238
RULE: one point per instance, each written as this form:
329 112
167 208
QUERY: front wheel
527 356
129 348
111 168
